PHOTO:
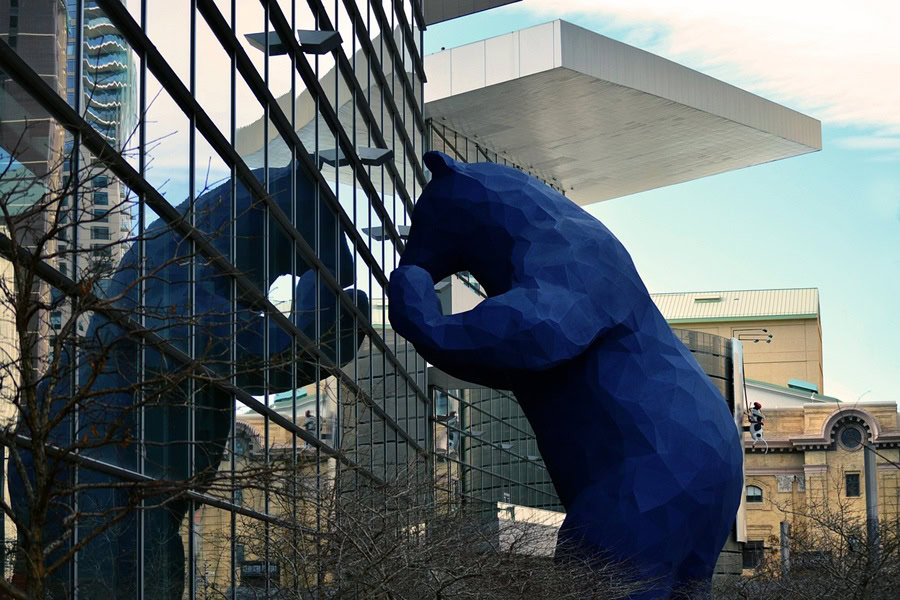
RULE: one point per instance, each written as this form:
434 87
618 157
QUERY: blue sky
829 220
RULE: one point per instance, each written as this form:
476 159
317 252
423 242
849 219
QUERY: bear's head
464 221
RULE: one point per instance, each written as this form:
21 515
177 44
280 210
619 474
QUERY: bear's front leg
497 343
414 306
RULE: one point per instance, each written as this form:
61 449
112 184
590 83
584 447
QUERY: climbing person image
756 418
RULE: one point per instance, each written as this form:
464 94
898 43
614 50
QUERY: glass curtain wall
214 173
485 452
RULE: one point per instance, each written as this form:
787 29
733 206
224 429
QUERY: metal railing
462 148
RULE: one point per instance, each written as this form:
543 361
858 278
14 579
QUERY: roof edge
786 289
747 318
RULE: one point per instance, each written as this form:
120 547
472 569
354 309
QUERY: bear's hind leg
693 579
603 530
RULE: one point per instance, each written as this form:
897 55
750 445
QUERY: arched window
754 494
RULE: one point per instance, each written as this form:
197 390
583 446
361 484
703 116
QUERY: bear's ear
439 163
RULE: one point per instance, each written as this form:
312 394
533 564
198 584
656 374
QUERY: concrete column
785 548
870 463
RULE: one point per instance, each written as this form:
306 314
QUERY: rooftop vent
288 396
707 299
804 386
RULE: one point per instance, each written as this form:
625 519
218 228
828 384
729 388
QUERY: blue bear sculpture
108 565
642 449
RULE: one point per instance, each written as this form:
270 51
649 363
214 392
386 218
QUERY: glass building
253 150
260 161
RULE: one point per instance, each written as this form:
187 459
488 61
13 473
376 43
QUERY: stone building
815 463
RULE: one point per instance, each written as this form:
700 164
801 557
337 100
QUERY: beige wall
8 356
8 348
815 477
795 351
212 526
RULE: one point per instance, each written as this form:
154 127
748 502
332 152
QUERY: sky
829 220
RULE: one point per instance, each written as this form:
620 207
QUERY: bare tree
89 363
123 363
345 536
829 554
333 531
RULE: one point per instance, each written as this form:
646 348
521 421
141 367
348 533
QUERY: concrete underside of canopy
437 11
602 119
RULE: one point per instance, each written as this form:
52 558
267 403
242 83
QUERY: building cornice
763 471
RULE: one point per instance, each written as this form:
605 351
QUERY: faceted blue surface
642 448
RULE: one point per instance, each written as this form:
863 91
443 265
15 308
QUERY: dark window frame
857 444
753 553
755 498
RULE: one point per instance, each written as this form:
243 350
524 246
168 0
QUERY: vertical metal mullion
295 470
337 238
75 170
394 256
406 354
317 312
463 442
142 255
232 242
501 454
384 443
192 302
338 76
371 358
424 145
353 199
267 279
390 215
488 426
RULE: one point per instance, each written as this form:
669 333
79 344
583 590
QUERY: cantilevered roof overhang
602 119
437 11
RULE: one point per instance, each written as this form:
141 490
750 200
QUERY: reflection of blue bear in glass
108 565
641 447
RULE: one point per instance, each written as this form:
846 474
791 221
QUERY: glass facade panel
485 450
173 24
213 80
246 374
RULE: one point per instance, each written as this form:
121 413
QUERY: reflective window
246 357
754 494
851 437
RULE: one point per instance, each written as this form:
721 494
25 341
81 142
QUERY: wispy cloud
870 142
835 60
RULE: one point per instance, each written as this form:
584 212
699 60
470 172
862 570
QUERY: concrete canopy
603 119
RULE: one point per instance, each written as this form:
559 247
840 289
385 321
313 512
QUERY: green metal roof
739 305
814 397
289 395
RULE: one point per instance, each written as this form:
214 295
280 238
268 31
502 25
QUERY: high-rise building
108 102
37 31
